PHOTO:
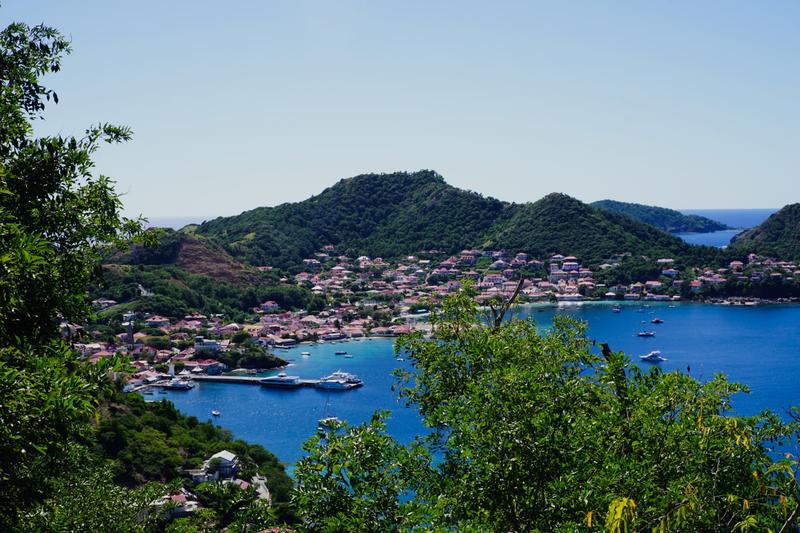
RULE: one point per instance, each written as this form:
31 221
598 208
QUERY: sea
757 346
739 219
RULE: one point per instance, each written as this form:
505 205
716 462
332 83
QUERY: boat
348 356
400 359
646 334
179 384
340 352
328 421
280 380
215 412
656 321
148 392
616 309
305 354
653 357
340 381
162 391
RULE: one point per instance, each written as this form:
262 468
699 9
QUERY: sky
238 104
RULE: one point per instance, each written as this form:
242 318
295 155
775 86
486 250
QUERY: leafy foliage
540 432
154 441
662 218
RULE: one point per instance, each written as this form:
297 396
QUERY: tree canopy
543 431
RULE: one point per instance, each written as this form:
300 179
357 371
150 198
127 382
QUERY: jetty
250 380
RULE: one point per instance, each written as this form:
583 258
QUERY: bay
758 346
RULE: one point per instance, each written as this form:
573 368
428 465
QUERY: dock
249 380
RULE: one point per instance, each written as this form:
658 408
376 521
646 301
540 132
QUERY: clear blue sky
238 104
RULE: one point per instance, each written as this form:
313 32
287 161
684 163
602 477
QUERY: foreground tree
56 218
540 432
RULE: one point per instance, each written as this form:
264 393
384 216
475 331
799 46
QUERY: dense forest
778 236
662 218
390 215
382 215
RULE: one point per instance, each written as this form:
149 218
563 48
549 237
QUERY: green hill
390 215
376 214
662 218
561 224
184 273
778 236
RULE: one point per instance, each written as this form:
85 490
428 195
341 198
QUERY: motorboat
340 352
215 412
340 381
179 384
305 354
616 309
348 356
656 321
280 380
646 334
653 357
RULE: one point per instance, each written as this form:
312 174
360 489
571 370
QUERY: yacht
281 380
653 357
179 384
646 334
340 381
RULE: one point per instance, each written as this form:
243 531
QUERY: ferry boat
281 380
646 334
179 384
340 381
656 321
653 357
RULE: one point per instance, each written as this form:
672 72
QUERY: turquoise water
758 346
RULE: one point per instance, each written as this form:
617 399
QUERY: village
372 297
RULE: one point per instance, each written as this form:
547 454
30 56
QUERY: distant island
668 220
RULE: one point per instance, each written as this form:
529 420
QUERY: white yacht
653 357
281 380
179 384
340 381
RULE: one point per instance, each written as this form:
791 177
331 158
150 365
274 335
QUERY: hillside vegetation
376 214
778 236
394 214
183 273
662 218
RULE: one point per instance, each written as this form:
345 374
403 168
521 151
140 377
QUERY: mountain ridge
399 213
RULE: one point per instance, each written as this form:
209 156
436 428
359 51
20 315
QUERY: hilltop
390 215
778 236
375 214
662 218
560 223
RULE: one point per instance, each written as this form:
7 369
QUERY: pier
249 380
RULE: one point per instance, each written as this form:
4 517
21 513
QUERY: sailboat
327 421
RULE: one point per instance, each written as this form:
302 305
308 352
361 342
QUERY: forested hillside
376 214
778 236
662 218
393 214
